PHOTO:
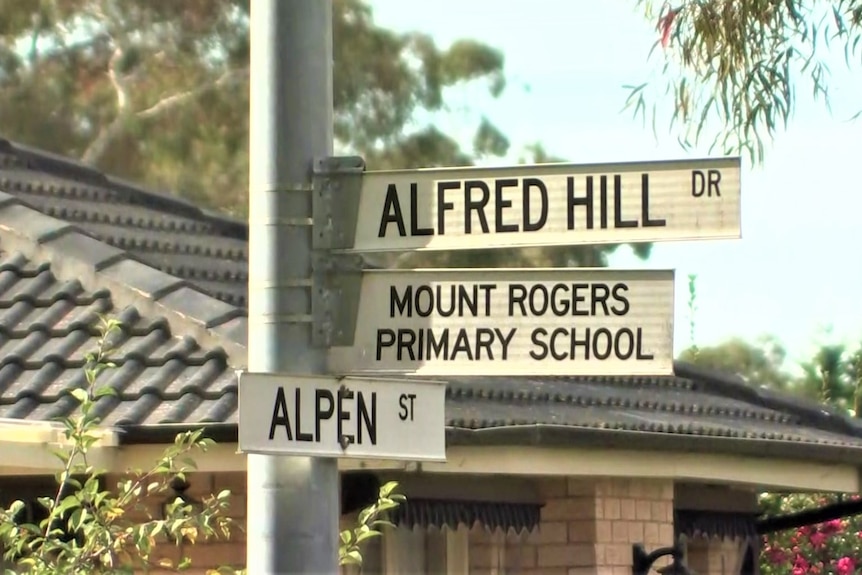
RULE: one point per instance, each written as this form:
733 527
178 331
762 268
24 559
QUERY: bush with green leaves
90 528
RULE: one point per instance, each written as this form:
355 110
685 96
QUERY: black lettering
540 310
391 213
578 297
618 343
559 356
369 419
484 339
415 230
280 416
470 301
297 415
537 341
487 288
598 353
406 341
471 205
585 343
500 203
406 411
322 413
698 183
640 341
427 308
600 294
586 201
439 348
517 295
713 179
505 340
648 222
529 184
560 306
462 345
402 303
619 222
385 338
603 202
442 205
618 292
343 415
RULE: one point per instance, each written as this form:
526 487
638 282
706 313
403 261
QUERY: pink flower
800 565
818 539
833 526
845 566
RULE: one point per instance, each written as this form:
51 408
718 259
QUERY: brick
582 531
550 532
544 571
566 555
481 556
651 534
667 490
627 508
619 532
643 510
636 531
570 508
638 489
524 558
658 511
618 554
611 508
584 487
553 487
582 571
604 531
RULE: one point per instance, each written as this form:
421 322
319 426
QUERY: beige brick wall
587 527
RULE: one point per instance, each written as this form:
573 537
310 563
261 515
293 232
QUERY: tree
737 65
758 363
85 528
157 92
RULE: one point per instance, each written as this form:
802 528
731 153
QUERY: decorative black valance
720 524
518 517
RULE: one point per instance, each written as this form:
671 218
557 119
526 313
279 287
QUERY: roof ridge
44 162
811 412
75 254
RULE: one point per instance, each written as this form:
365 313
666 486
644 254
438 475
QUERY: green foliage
737 65
92 530
89 529
369 524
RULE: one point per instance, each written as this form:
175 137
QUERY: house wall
587 527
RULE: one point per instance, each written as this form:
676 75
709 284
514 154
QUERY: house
553 475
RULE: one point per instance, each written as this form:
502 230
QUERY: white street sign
548 204
325 416
512 322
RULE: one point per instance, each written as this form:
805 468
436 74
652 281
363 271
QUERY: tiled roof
180 346
164 231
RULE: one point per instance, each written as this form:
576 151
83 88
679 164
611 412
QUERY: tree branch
226 79
109 132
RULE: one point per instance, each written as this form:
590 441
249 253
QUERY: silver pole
293 502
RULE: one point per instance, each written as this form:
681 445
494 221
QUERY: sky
793 274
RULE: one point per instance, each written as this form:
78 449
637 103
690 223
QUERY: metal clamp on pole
337 185
337 280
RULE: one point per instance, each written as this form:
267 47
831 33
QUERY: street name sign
511 322
325 416
547 204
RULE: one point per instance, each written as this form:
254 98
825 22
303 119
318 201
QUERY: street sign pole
293 502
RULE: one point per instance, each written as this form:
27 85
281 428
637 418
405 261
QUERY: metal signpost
317 315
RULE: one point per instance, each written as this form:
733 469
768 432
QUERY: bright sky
567 61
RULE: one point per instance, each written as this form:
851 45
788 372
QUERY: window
418 551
